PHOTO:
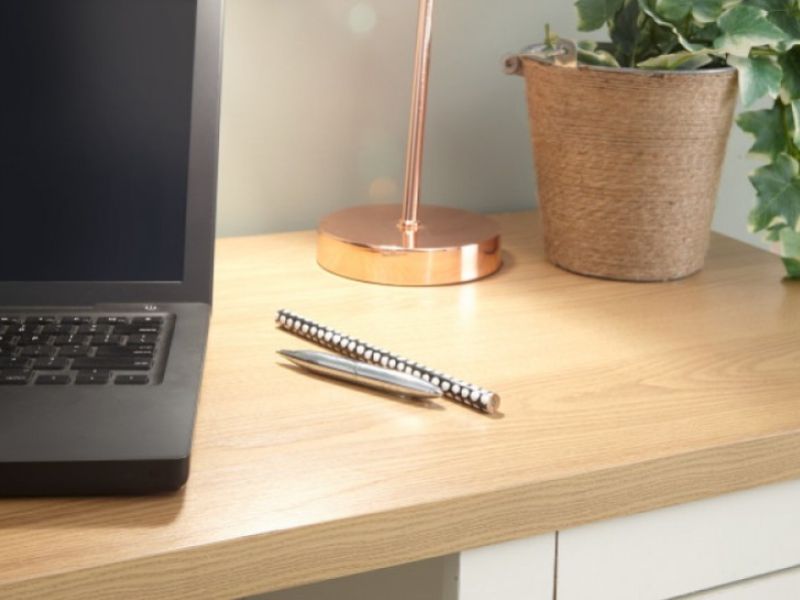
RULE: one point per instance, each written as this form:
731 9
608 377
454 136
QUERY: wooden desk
617 398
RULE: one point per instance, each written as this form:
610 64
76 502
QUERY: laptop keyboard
84 349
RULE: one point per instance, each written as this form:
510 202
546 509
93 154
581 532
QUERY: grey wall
316 99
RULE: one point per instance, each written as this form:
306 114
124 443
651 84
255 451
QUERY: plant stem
788 129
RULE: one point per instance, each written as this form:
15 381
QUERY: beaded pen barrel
452 388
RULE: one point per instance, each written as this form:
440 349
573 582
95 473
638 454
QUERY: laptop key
19 329
51 364
106 340
132 380
91 329
53 380
138 340
72 340
39 350
15 377
116 363
10 320
93 377
57 329
73 351
75 320
147 320
144 351
137 329
33 340
16 363
112 320
39 320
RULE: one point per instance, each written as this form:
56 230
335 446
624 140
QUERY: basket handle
563 54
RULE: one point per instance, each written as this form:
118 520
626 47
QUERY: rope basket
628 164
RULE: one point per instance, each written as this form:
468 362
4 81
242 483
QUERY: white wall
316 99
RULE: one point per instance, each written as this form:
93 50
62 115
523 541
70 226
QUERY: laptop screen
95 114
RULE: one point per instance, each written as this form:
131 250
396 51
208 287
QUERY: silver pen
455 389
339 367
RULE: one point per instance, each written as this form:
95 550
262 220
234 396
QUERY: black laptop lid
108 133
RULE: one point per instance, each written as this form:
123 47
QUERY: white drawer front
784 585
682 549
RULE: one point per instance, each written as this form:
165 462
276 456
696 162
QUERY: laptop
108 159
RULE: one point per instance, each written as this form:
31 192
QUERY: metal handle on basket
564 54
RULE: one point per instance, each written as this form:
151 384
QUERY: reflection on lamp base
449 245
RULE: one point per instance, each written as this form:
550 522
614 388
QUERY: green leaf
790 251
790 65
680 61
593 14
795 126
745 27
768 128
687 45
792 267
707 11
790 243
703 33
674 10
774 232
589 54
626 33
778 189
758 77
785 15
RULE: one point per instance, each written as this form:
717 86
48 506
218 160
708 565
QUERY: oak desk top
617 398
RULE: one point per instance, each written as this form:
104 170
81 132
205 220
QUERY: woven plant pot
628 164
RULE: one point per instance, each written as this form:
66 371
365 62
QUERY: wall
316 99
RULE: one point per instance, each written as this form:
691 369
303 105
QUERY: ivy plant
761 39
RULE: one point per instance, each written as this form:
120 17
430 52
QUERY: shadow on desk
95 512
422 404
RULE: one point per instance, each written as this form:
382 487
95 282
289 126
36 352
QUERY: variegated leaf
707 11
795 126
792 267
674 10
647 9
790 65
790 250
597 58
593 14
778 189
758 77
745 27
626 33
790 240
590 54
680 61
768 127
785 15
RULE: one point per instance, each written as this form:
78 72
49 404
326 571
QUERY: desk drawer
784 585
682 549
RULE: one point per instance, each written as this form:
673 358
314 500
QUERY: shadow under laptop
114 512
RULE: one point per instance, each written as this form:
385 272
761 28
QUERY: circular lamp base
449 246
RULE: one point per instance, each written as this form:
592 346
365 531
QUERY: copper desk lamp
424 245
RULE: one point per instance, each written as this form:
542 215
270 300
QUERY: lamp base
448 246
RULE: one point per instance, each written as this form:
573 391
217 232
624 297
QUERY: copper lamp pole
428 245
416 122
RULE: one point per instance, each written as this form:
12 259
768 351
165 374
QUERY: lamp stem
416 126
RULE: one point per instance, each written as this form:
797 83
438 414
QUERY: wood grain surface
617 398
